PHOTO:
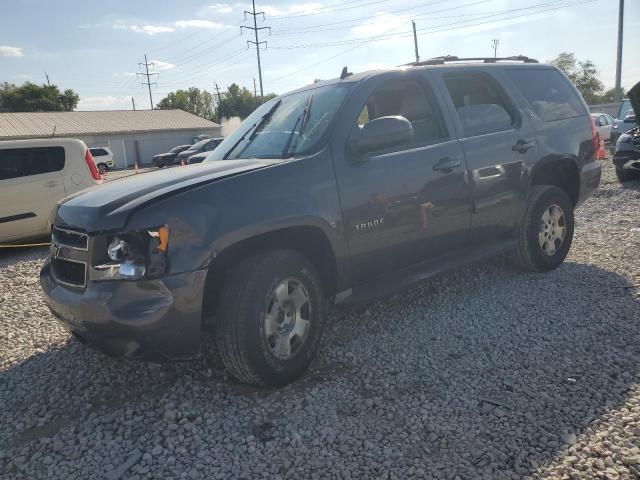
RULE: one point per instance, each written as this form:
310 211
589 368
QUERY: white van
34 175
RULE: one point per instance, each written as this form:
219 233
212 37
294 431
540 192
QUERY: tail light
91 165
594 136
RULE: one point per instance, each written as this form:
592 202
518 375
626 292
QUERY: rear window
98 152
24 162
548 92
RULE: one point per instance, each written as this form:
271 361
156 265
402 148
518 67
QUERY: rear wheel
626 175
546 232
270 318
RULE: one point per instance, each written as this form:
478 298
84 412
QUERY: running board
399 280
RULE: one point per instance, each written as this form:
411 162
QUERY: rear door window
550 95
25 162
481 105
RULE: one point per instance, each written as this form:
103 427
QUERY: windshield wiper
254 129
302 119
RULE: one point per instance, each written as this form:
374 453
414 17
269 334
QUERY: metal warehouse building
132 135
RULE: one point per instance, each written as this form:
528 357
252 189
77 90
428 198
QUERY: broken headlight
134 255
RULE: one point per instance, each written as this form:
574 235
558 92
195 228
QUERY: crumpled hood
634 97
109 206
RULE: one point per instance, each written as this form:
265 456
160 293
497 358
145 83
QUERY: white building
132 135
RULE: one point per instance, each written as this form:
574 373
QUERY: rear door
30 186
497 143
410 202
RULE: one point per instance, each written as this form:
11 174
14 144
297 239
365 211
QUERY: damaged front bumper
154 320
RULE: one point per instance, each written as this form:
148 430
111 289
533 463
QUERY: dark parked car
198 157
165 159
206 145
622 122
345 190
627 155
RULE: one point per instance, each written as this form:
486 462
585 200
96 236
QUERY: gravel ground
484 373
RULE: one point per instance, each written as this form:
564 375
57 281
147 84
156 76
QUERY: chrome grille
70 238
69 256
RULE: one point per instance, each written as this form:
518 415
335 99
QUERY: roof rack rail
452 58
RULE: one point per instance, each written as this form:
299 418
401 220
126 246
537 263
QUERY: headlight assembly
134 255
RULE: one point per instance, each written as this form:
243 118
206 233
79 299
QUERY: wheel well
561 173
309 241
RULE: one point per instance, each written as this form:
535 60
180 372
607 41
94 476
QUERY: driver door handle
446 164
522 146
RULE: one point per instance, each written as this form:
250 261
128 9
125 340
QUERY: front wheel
102 168
270 318
546 231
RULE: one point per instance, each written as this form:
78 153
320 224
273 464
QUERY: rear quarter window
25 162
548 92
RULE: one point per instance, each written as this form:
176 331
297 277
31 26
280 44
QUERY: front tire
546 232
102 168
270 318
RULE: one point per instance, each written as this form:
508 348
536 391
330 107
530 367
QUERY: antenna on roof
345 73
53 134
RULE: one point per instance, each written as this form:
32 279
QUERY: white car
604 123
103 157
34 176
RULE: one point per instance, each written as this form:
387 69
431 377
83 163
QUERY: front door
410 202
498 142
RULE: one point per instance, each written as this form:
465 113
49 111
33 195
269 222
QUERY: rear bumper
151 320
589 180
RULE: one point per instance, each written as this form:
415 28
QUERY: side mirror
381 133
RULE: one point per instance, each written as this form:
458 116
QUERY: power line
148 76
326 10
257 42
387 35
408 33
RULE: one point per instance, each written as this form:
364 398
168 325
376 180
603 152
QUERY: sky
96 47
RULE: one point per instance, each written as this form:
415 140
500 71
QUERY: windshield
178 149
266 132
199 145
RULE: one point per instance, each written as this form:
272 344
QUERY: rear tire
270 318
546 232
626 175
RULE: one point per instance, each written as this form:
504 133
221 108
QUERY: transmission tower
148 76
257 42
494 44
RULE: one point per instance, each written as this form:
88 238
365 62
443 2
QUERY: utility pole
257 43
619 59
47 75
133 102
217 95
255 91
415 40
148 76
494 44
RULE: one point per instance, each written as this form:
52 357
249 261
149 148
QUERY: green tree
584 75
193 100
239 102
30 97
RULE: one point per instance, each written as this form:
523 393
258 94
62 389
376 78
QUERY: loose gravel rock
487 372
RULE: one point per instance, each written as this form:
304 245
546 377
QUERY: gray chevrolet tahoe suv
344 190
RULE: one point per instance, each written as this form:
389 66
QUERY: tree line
235 102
